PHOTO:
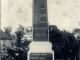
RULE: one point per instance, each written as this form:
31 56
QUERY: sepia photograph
39 29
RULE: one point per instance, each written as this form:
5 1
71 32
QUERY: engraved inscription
40 34
41 56
42 28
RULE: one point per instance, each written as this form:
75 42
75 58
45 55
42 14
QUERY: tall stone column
40 21
40 48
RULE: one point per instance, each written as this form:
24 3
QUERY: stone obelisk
40 48
40 21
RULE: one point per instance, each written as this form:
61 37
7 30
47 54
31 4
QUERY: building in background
5 41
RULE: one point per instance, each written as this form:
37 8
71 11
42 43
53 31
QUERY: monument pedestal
40 51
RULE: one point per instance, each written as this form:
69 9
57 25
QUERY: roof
4 36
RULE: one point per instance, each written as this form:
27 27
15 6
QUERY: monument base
40 51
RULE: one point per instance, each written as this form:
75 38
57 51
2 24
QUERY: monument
40 48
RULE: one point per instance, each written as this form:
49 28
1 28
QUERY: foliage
64 43
22 36
19 34
76 30
8 30
21 46
76 33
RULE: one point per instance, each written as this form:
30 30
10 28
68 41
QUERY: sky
62 13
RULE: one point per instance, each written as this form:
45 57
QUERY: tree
76 30
19 34
8 30
76 33
71 45
63 42
54 37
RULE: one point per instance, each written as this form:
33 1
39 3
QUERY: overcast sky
63 13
